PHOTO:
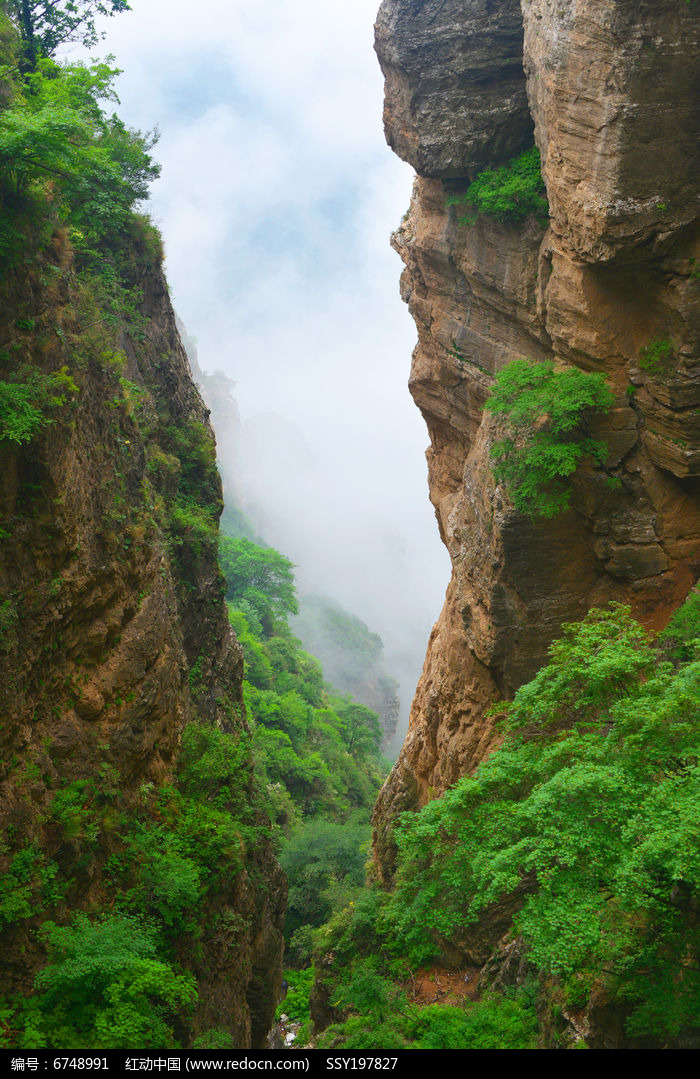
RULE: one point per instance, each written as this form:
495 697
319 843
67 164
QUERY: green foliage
510 193
545 412
44 27
205 827
79 808
586 821
259 577
185 462
681 638
361 965
23 885
360 729
64 159
316 753
367 992
361 927
193 526
321 859
55 138
169 885
105 987
27 399
368 986
213 1041
319 748
493 1023
167 864
214 766
657 357
357 1035
296 1001
192 443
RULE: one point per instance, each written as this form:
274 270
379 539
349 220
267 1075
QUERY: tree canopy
59 146
260 577
45 25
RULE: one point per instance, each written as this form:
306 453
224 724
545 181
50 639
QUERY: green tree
320 854
105 987
361 730
57 131
260 577
44 25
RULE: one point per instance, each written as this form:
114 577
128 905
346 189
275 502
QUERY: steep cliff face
610 285
114 631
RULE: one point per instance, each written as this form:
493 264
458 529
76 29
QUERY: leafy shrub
359 1034
193 444
296 1001
367 991
586 821
169 884
192 526
214 765
657 357
492 1023
27 400
300 947
186 460
21 885
105 987
510 193
545 412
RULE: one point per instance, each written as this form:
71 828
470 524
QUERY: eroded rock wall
612 91
113 630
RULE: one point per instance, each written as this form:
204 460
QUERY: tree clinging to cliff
44 25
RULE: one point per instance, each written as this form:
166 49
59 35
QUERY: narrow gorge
203 849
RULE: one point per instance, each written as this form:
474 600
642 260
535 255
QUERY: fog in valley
276 201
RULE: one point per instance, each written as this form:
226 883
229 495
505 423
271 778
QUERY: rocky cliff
608 90
114 640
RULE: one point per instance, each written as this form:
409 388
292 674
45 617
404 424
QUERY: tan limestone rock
614 90
454 98
617 125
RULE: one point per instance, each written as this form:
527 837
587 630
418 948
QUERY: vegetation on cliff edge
545 410
584 825
512 192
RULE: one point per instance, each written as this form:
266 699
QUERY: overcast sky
276 201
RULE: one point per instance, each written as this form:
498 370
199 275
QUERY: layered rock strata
609 285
